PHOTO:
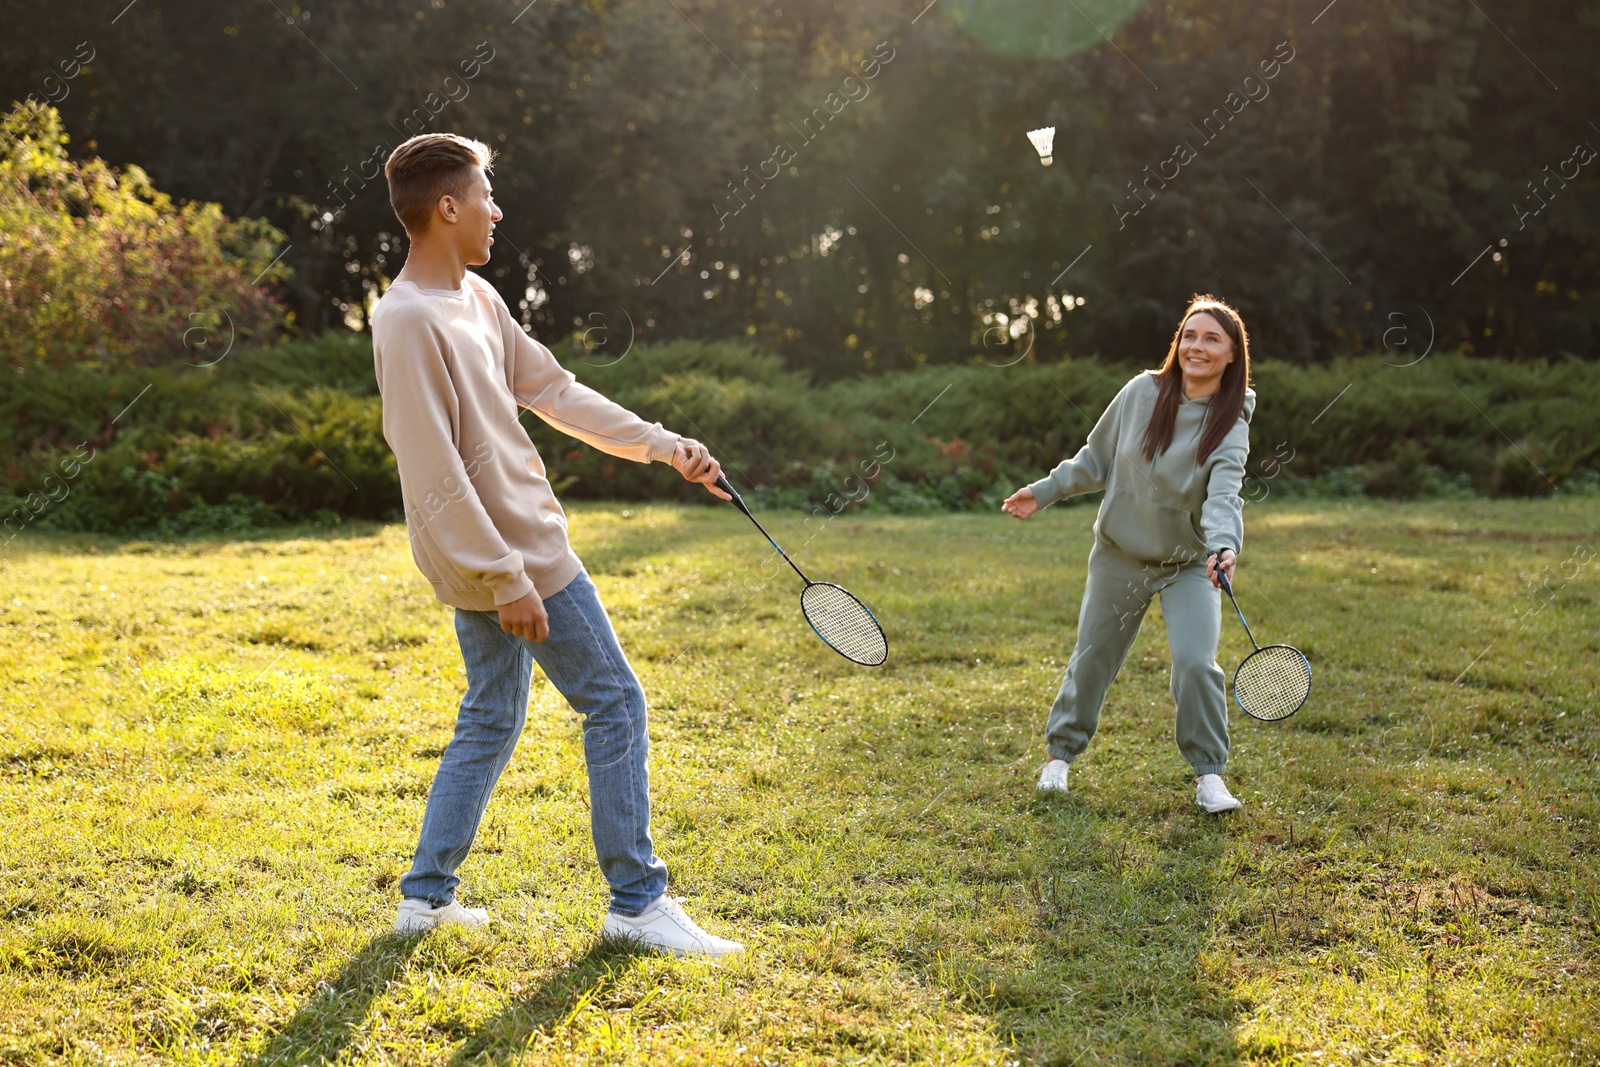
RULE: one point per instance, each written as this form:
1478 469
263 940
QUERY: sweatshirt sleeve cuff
1045 491
512 591
662 445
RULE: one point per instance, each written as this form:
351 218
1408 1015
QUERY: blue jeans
584 662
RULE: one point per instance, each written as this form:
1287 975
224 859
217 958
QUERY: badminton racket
841 620
1273 681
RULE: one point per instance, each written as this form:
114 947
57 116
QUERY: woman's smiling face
1204 352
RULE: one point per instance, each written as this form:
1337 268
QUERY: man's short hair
427 167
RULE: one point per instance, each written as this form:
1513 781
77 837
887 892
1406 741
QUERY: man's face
475 216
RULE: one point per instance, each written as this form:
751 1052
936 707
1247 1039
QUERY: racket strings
1272 682
844 623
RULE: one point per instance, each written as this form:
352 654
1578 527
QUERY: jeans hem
646 906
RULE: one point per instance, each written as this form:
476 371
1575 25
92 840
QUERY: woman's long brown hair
1229 398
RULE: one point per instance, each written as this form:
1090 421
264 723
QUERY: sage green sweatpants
1115 598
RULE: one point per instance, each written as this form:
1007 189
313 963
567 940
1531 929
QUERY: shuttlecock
1043 140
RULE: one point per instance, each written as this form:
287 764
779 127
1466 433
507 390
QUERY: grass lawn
215 757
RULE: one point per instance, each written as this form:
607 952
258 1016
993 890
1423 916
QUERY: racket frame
738 502
1227 587
1266 648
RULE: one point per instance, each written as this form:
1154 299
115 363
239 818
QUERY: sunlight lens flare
1039 29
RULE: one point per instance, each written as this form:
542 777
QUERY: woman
1170 453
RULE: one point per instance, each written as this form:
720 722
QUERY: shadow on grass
327 1021
557 1000
1118 973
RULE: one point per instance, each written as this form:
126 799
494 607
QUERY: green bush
1505 429
955 434
98 266
1447 426
341 361
295 432
200 438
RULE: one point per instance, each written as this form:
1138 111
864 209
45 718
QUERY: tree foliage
1410 169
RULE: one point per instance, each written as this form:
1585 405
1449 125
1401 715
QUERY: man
485 529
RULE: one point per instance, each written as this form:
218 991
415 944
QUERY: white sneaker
1054 777
416 915
666 927
1213 796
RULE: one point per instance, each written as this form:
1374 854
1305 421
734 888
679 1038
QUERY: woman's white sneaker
416 915
664 926
1213 796
1053 779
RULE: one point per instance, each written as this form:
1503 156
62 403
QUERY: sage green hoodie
1173 510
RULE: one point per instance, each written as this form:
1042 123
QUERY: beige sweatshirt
453 367
1174 509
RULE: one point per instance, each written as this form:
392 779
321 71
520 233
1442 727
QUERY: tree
1372 176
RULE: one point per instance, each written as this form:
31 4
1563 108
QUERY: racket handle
738 501
1222 575
1227 587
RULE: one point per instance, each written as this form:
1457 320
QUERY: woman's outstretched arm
1083 473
